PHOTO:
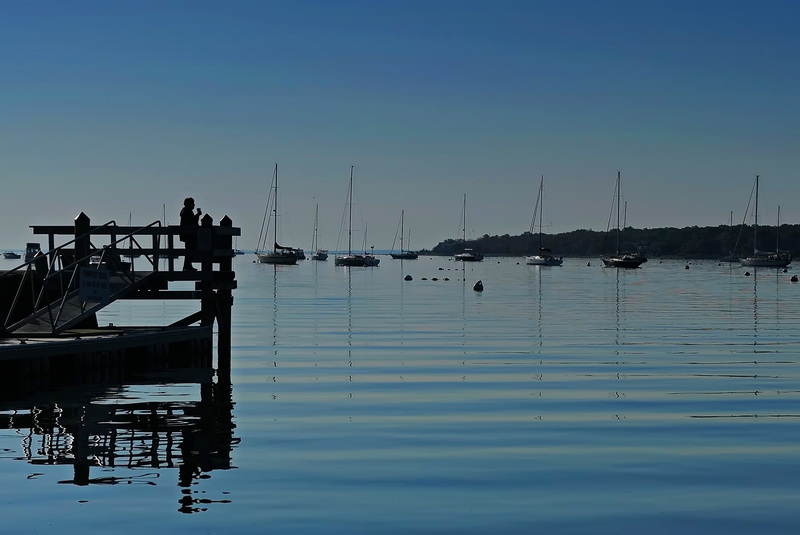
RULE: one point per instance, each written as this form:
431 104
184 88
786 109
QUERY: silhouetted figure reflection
189 467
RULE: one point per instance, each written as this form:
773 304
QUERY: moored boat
777 258
370 260
467 255
622 259
403 254
731 257
544 257
350 259
318 254
279 254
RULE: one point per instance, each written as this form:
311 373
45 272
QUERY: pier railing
58 304
54 290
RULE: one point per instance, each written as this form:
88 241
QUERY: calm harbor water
570 399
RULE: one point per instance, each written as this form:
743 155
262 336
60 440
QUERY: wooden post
205 245
224 303
82 239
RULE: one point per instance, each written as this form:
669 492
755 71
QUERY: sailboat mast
275 213
464 220
541 209
402 213
730 237
316 222
350 217
755 222
618 202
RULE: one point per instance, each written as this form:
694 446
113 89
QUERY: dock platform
50 335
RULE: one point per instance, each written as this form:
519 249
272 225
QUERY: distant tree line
688 242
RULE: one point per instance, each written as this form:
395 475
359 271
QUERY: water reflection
131 433
755 311
539 307
772 322
275 312
619 298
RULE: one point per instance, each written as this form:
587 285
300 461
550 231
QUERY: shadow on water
177 422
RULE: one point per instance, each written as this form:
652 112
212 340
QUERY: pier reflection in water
176 426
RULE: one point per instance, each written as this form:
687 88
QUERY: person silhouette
190 222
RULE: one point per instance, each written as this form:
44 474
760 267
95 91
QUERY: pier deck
48 304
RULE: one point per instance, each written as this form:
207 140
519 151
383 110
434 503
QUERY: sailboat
404 254
318 254
622 259
731 257
350 259
543 257
763 258
370 260
467 255
278 254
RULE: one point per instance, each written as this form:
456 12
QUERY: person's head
188 202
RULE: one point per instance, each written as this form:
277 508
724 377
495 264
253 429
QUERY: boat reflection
764 315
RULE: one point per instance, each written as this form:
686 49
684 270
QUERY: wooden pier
48 305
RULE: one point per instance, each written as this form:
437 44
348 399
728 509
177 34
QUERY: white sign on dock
95 285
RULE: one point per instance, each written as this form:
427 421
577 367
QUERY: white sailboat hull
543 260
468 256
777 260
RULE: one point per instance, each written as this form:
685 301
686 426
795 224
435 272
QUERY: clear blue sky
122 107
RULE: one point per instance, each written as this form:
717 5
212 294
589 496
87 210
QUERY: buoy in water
407 277
478 286
794 278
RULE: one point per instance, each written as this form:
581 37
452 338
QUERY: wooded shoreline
687 242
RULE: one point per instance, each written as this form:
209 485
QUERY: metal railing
60 271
